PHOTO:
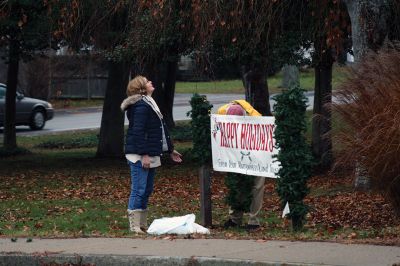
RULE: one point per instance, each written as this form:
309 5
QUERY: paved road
127 251
90 118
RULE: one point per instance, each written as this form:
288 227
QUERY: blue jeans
142 181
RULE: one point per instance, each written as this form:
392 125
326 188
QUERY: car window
2 92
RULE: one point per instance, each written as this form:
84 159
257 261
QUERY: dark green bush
182 132
201 132
90 141
294 153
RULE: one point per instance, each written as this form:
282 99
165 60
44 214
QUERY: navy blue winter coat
144 135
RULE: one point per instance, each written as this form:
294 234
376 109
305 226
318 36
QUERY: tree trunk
10 139
163 77
165 91
256 88
291 76
111 140
369 30
368 24
321 123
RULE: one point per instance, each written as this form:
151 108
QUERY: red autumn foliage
369 106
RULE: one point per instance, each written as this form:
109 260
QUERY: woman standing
146 139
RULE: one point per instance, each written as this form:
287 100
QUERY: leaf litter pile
90 200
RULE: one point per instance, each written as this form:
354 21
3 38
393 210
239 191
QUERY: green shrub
201 132
294 153
89 141
182 132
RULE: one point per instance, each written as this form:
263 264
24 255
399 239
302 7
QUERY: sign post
205 195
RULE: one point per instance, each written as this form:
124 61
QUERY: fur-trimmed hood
135 98
130 101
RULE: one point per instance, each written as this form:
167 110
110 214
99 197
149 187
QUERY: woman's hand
146 161
176 156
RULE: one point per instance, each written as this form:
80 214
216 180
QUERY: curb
44 259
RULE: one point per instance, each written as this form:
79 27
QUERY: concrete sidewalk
127 251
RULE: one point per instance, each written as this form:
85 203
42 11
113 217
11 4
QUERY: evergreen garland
200 123
294 153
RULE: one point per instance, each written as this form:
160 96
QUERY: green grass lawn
274 83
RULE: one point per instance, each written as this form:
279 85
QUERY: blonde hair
137 86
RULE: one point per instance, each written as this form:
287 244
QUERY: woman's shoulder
132 101
140 107
142 103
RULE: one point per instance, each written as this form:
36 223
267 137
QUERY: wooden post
205 196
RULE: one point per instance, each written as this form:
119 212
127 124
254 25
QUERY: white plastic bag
176 225
286 210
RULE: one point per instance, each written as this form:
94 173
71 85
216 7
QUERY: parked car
29 111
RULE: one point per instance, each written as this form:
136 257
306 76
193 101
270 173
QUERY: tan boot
134 221
143 220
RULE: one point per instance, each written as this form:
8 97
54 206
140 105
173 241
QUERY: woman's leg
149 186
139 178
148 191
138 197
